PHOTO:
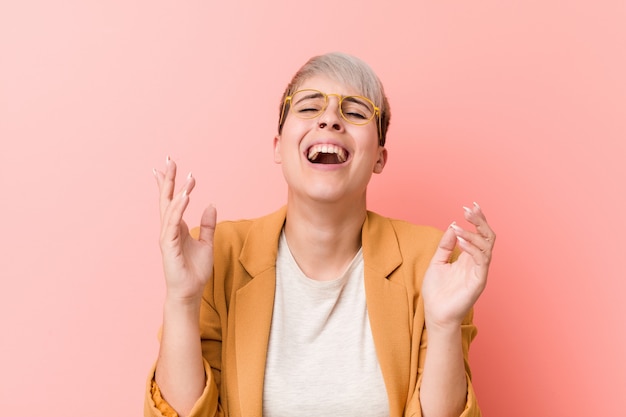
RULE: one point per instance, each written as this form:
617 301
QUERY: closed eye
355 109
309 105
355 115
308 110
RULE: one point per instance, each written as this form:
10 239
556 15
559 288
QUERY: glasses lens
357 110
308 104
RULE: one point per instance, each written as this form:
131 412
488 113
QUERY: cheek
295 127
367 135
292 134
286 148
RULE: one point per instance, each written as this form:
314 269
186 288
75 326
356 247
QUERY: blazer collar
380 245
261 245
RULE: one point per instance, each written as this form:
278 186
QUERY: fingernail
476 205
467 210
154 172
167 160
460 239
455 226
189 176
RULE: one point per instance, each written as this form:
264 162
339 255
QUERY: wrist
174 303
444 329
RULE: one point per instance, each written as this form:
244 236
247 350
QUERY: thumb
207 225
445 248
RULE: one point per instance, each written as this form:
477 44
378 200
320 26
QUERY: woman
321 308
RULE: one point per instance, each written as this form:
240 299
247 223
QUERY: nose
331 115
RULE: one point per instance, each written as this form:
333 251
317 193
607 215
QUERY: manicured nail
189 176
167 160
476 205
455 226
461 239
154 172
467 210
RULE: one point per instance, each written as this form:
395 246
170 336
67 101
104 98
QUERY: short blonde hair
348 70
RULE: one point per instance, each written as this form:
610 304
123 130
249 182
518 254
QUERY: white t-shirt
321 358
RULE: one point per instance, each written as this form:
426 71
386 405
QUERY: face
326 158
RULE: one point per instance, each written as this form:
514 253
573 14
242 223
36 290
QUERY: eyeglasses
309 104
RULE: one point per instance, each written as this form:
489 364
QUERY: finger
207 225
473 238
189 185
476 217
160 178
172 215
173 218
183 193
481 257
158 175
445 248
167 184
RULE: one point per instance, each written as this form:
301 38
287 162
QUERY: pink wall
517 105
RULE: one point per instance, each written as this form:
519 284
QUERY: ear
382 160
277 157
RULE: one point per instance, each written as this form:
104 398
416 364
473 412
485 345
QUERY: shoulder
227 229
257 235
233 231
409 236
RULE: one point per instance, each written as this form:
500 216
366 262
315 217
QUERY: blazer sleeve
156 406
468 333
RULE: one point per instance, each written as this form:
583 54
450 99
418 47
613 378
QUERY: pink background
518 105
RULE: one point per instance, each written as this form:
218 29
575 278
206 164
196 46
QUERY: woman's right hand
187 262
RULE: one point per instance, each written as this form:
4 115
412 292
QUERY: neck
324 237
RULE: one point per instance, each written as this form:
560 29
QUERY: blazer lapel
253 310
388 308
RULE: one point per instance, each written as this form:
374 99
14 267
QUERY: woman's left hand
451 289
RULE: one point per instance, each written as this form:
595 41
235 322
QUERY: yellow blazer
237 309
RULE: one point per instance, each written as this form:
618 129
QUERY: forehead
329 86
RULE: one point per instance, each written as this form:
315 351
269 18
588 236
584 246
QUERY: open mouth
327 154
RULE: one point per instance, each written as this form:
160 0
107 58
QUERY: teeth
315 150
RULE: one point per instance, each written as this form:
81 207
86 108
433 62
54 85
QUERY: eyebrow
313 94
357 100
